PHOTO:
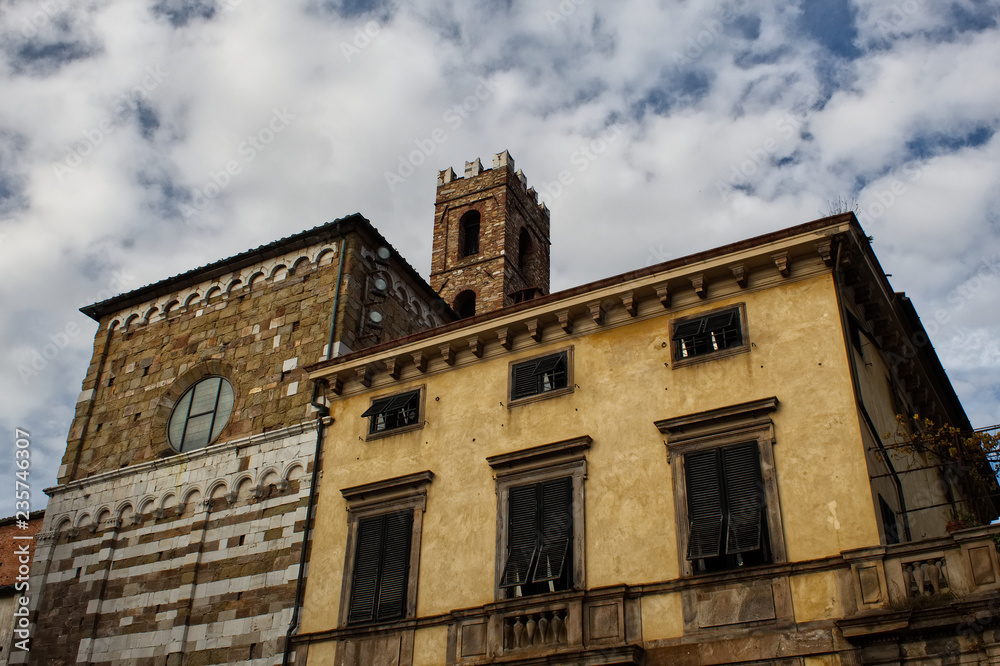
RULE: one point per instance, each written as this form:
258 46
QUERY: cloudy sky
141 138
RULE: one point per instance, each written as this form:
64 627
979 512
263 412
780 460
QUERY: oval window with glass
201 414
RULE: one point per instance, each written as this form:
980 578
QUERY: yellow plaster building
691 463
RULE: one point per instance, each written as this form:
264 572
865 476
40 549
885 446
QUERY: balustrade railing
535 629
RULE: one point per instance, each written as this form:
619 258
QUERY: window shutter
395 566
556 526
522 533
377 407
744 498
688 329
366 570
525 380
704 500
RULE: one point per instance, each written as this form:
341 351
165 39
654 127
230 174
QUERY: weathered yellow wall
623 385
662 616
922 485
816 597
429 646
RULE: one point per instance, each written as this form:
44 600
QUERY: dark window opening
539 538
726 509
523 249
381 568
465 304
468 234
538 376
393 412
708 334
529 294
889 522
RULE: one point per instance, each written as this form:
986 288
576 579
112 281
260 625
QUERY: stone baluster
543 629
918 576
557 626
933 573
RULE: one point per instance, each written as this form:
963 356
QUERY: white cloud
702 96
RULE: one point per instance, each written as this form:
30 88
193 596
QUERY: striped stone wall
187 560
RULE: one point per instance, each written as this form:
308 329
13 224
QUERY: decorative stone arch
146 318
212 292
242 489
192 299
103 517
293 471
325 256
82 520
115 323
234 286
63 523
278 273
192 501
146 505
256 281
301 266
125 511
171 394
130 320
170 308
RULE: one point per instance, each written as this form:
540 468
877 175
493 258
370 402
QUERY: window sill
372 436
711 356
540 396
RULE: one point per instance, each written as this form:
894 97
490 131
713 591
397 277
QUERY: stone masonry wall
196 557
257 328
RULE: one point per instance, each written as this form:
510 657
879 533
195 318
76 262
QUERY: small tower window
468 234
523 249
465 304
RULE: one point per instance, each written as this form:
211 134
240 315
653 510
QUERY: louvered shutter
704 500
378 406
744 498
524 378
522 535
367 560
395 566
688 329
556 526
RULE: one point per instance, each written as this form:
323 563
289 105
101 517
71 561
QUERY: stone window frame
371 436
714 355
545 395
566 458
408 492
164 406
182 446
735 424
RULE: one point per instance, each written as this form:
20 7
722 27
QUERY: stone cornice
794 254
181 459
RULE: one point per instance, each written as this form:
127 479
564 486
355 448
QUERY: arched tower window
465 304
523 248
468 234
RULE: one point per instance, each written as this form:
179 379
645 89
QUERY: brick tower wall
506 206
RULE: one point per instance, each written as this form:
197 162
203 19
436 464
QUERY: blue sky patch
932 144
831 23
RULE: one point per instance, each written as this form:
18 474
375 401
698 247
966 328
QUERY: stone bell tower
491 238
